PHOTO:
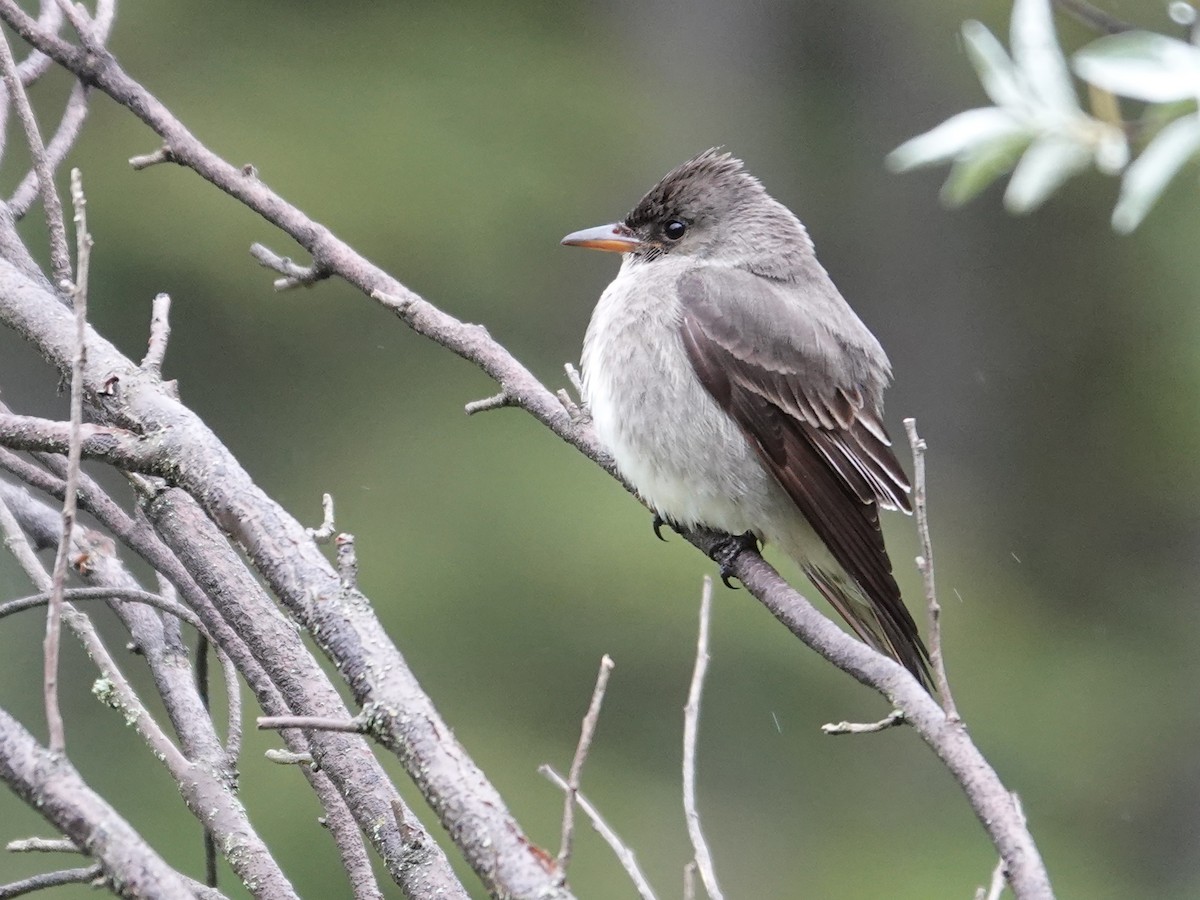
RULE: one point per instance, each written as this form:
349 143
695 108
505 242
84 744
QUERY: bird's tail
889 628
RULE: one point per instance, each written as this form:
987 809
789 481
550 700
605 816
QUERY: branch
925 567
354 638
203 780
60 258
52 787
691 731
891 720
350 784
83 875
60 145
1093 17
624 855
586 732
160 332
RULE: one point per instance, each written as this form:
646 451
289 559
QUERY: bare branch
189 454
691 732
891 720
624 855
288 758
1093 17
79 21
496 401
162 155
37 64
104 593
349 782
208 794
586 732
83 875
67 133
925 565
357 725
160 332
52 787
324 533
60 259
41 845
294 275
995 886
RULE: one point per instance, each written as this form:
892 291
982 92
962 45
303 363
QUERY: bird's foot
726 552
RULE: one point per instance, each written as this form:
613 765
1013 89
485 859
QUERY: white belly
687 459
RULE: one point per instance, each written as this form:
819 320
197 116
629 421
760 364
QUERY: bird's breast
669 438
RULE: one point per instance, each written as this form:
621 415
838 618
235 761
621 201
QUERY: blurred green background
1052 367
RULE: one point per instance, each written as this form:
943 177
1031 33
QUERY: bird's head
708 208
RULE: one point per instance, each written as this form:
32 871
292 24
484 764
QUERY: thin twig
82 875
65 136
54 611
74 595
79 21
891 720
586 732
324 533
42 845
295 275
160 332
625 856
1092 17
995 887
162 155
288 757
60 257
574 377
691 731
357 725
496 401
689 880
36 64
925 566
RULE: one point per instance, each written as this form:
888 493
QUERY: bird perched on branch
738 391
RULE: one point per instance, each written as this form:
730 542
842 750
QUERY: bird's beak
615 238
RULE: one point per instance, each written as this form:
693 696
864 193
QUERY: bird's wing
807 399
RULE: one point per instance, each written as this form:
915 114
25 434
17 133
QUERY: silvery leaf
992 65
1150 173
958 134
1047 163
1038 57
1142 65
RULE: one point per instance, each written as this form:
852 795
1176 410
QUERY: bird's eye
674 230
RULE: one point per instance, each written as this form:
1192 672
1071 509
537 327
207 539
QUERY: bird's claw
657 525
726 552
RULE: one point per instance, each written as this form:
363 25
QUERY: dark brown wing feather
808 404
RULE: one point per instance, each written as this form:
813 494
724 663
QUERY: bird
736 390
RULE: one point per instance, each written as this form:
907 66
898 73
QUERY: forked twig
586 733
624 855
